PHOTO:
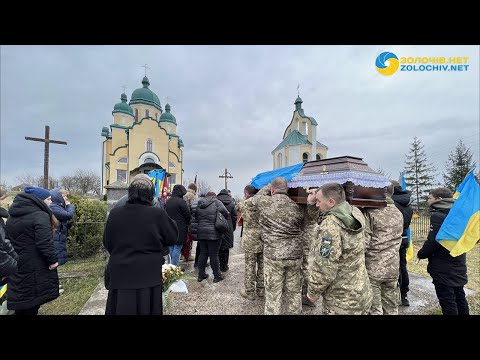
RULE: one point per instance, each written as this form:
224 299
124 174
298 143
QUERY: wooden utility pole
47 142
226 175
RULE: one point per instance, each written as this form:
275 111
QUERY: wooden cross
226 176
146 67
298 91
47 142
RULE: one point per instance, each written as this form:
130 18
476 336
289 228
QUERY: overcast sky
233 103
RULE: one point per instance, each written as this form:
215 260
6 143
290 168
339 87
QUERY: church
299 141
141 138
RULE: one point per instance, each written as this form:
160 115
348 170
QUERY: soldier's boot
261 292
404 300
247 295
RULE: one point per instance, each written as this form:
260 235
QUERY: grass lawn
473 271
82 278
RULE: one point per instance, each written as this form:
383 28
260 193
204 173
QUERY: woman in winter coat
449 274
228 239
30 229
208 237
178 210
135 237
64 212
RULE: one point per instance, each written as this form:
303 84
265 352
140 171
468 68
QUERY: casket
363 186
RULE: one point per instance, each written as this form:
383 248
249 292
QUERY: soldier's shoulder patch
326 247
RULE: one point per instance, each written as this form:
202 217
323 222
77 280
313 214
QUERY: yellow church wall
148 129
141 111
119 138
123 119
115 165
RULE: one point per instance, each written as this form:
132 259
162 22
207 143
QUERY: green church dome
122 106
168 116
146 96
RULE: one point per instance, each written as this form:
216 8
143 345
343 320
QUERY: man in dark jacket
449 274
228 239
402 200
178 211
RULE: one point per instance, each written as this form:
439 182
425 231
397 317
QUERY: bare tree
203 187
27 179
82 182
380 170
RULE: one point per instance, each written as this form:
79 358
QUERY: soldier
308 226
280 221
337 256
251 242
383 237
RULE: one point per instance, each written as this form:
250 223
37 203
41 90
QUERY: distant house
19 187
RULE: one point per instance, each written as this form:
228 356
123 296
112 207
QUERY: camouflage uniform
337 265
383 237
308 227
280 220
251 242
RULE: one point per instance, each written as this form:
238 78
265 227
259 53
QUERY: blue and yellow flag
460 230
157 177
409 255
3 289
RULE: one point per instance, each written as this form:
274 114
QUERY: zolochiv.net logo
387 63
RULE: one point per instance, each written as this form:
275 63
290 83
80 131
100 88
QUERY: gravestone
114 192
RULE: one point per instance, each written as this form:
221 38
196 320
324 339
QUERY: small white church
299 141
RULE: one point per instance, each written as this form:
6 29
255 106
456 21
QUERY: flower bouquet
172 281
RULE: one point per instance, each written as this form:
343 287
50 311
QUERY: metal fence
420 224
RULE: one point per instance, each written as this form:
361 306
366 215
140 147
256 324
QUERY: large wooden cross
47 142
226 176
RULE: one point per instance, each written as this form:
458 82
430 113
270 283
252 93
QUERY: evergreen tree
419 175
457 166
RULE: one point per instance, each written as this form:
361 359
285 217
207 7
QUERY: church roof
167 115
146 96
122 106
294 138
319 144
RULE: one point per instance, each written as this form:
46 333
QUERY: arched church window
149 160
147 113
123 160
319 157
304 128
156 116
149 145
305 157
279 160
136 114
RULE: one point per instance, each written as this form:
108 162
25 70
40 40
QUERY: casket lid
340 169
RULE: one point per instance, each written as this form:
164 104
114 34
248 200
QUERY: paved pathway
223 298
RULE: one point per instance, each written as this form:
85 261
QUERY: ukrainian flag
409 255
157 177
460 230
3 289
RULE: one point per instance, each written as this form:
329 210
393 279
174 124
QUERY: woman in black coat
29 228
449 274
227 242
135 236
208 237
177 209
